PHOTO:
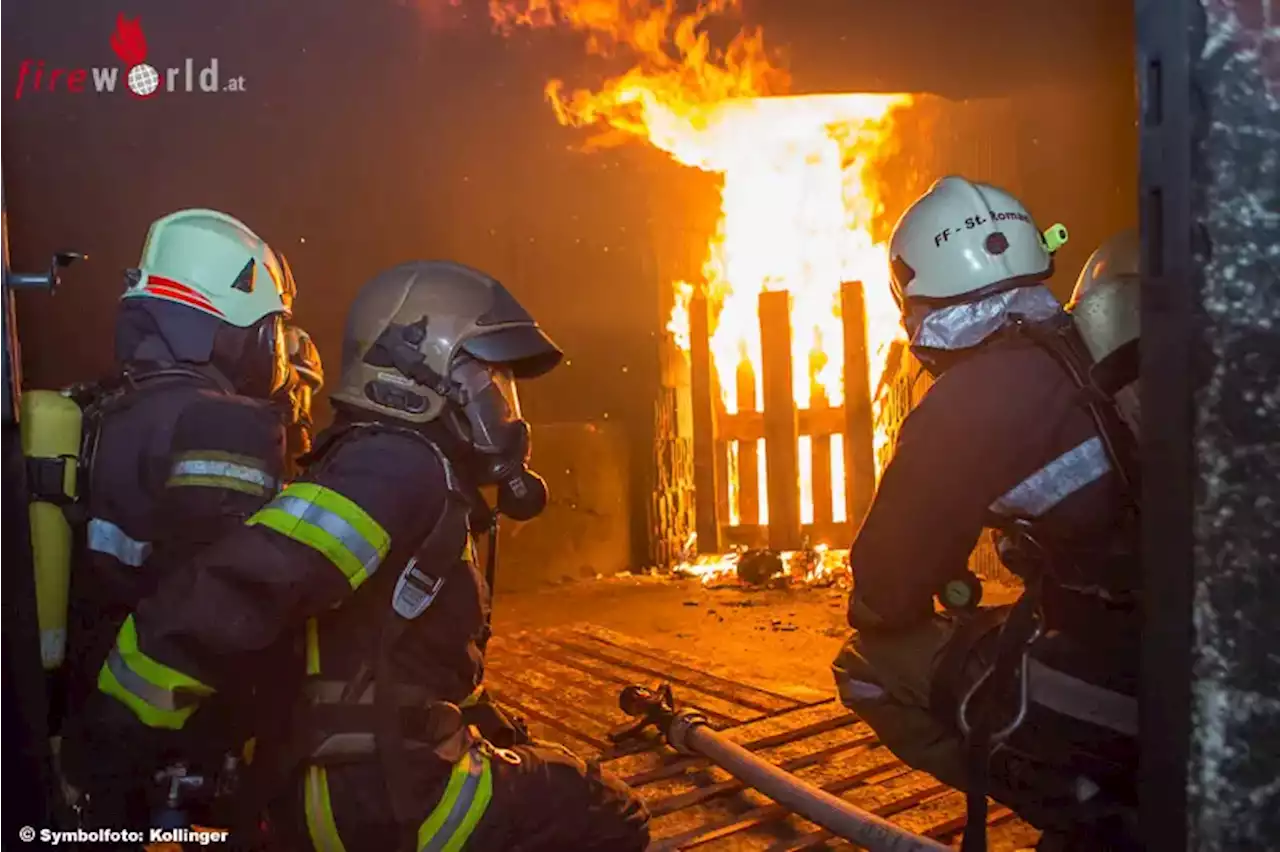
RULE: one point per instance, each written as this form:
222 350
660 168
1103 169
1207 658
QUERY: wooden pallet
565 683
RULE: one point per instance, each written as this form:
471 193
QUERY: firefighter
1013 436
181 444
368 562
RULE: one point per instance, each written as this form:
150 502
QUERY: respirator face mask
256 358
497 431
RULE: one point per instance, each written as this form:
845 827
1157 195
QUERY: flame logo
128 42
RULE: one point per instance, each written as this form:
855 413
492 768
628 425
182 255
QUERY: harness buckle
999 736
490 750
415 591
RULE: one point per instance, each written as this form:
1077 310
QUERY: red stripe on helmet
180 292
178 287
184 295
166 289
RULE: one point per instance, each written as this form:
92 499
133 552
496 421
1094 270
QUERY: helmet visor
491 403
288 287
278 349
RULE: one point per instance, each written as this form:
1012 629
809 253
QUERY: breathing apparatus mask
256 358
487 416
253 359
481 413
306 379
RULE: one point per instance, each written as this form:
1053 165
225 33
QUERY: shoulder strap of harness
420 581
416 589
1057 337
417 586
117 392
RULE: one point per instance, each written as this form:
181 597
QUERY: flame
820 565
128 41
798 198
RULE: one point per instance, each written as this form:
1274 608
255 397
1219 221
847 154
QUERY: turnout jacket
175 462
215 627
1001 434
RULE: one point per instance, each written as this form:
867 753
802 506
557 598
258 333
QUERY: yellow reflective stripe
450 824
473 699
319 810
313 647
213 469
161 697
328 522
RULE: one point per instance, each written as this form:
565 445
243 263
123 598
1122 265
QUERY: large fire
797 201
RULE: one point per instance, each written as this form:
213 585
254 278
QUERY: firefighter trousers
889 680
537 797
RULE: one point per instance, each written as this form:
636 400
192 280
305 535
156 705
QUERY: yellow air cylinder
51 424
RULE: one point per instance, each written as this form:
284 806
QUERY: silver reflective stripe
461 804
858 690
1053 483
230 470
1079 699
148 692
53 646
351 744
450 478
105 537
335 526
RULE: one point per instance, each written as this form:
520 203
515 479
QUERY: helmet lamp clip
398 347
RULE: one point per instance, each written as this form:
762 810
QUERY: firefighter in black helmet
367 561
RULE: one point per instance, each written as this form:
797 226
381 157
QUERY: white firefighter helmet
214 263
963 238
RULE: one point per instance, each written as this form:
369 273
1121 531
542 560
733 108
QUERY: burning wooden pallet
565 683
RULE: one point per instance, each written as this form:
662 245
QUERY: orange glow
797 202
821 565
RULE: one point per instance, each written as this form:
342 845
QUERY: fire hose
688 732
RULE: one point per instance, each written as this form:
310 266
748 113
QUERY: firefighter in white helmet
182 443
1015 437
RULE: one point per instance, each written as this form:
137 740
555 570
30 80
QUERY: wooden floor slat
648 670
679 662
565 682
537 652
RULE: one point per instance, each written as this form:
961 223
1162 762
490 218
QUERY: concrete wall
1228 319
586 529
